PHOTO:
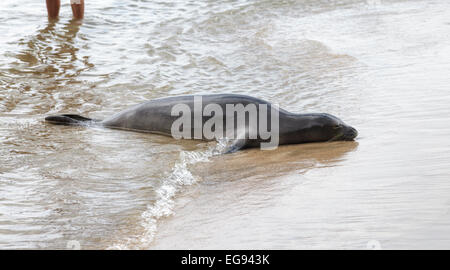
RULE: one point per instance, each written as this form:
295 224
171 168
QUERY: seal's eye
336 126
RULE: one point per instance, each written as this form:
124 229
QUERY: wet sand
381 66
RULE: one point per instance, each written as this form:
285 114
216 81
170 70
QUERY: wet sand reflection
48 61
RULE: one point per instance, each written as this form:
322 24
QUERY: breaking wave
179 177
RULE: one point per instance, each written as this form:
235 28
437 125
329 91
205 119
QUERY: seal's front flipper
235 146
69 119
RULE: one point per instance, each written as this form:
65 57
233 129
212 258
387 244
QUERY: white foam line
179 177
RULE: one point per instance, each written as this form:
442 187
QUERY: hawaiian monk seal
162 116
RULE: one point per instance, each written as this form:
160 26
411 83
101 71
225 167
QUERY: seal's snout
350 133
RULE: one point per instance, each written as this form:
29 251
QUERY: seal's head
326 127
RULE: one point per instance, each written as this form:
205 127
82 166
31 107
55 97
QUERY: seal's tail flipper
69 119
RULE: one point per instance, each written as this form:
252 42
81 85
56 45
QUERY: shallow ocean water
381 66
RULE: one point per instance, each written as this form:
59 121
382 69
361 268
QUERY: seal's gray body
155 116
